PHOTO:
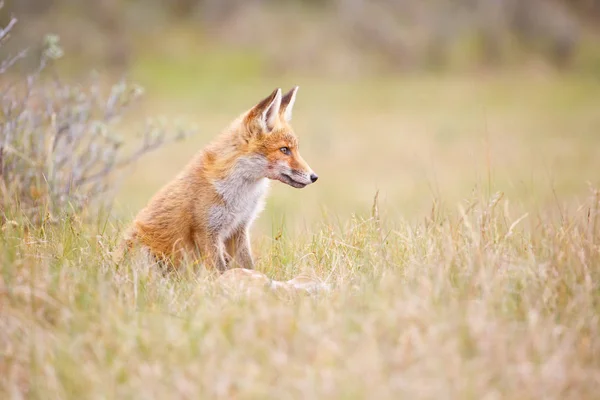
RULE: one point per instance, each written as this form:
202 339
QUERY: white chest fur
243 193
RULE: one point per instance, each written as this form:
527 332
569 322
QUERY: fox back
206 211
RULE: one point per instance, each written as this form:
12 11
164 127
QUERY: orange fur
206 211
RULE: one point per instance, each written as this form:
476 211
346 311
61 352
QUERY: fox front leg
214 254
238 246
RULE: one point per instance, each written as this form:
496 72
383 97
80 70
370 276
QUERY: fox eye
285 150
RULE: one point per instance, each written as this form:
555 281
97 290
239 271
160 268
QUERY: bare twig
7 64
4 32
59 149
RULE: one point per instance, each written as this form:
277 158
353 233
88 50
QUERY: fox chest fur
243 194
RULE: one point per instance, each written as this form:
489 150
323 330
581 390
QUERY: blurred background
422 100
348 37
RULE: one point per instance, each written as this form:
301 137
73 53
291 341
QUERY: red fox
206 211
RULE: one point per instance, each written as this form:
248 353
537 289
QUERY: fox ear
266 112
287 103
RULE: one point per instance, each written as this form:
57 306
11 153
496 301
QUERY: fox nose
314 177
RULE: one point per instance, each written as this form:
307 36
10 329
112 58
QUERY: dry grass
487 297
480 306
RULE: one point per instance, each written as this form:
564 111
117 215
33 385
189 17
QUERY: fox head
268 134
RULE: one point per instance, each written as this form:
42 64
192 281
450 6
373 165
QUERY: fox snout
306 176
301 172
296 172
297 178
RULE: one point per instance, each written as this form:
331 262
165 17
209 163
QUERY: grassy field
476 275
